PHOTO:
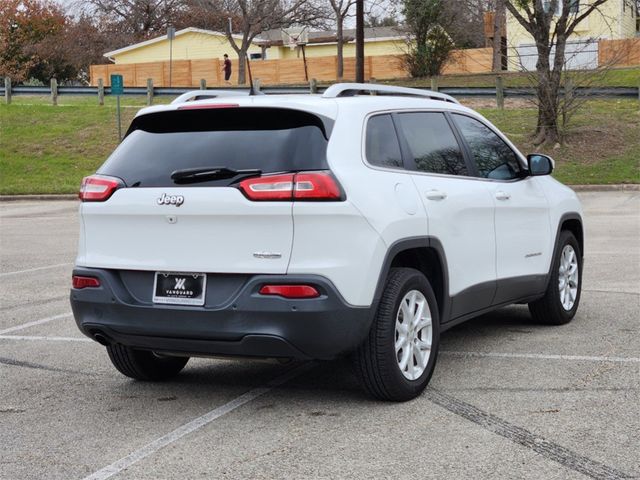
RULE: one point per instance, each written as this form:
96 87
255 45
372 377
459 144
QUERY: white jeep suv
363 221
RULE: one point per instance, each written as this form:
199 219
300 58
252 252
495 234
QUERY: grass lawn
615 77
46 149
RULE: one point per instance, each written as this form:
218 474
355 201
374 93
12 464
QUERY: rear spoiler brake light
207 106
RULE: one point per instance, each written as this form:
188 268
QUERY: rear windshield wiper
204 174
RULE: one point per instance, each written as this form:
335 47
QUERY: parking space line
187 428
49 339
540 445
34 323
37 269
621 292
543 356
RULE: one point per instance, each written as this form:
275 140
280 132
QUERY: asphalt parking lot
509 398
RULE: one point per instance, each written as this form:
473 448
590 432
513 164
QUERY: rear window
269 139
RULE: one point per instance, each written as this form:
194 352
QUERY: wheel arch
573 223
425 254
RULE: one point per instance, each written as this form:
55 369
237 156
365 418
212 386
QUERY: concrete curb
17 198
626 187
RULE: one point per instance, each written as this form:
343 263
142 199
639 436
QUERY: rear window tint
269 139
433 146
382 148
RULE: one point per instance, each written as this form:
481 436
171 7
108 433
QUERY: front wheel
560 301
144 365
397 359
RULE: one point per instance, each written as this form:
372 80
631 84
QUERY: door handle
436 195
500 195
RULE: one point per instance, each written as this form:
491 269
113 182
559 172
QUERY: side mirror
539 164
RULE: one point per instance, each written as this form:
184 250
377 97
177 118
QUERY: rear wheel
560 302
144 365
397 359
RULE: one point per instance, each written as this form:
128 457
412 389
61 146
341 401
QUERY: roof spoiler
352 89
194 95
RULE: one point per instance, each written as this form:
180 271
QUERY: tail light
310 186
290 291
97 188
79 281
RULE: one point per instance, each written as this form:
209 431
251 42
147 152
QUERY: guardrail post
203 84
54 91
149 91
313 86
639 93
100 91
434 84
7 90
500 92
256 85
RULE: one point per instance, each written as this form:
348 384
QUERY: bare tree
249 18
550 23
138 19
464 21
341 10
499 15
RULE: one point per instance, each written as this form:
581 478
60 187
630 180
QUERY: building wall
195 46
188 46
386 47
608 22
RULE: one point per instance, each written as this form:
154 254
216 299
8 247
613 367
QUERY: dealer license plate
179 288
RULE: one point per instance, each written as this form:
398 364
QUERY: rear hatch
200 220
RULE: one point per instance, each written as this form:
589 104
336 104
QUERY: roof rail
351 89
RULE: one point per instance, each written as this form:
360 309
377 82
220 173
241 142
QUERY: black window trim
474 174
469 154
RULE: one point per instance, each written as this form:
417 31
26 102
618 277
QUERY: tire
144 365
555 308
377 362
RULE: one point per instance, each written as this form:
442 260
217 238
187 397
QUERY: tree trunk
547 92
548 89
498 20
242 57
340 39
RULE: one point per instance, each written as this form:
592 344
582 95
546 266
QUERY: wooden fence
619 53
187 73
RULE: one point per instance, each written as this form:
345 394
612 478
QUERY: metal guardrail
453 91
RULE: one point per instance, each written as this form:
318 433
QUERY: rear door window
432 144
269 139
382 146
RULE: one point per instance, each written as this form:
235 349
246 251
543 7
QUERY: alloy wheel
413 335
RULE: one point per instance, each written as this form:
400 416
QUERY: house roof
274 37
371 34
164 37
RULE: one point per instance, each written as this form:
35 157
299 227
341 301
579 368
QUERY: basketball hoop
295 36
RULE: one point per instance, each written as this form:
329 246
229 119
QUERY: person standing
227 69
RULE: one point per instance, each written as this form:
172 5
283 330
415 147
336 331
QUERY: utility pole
360 41
171 33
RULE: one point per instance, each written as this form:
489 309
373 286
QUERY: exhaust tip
101 338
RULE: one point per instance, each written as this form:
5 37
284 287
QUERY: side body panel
350 242
463 223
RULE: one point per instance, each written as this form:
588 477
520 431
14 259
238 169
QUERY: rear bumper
235 319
